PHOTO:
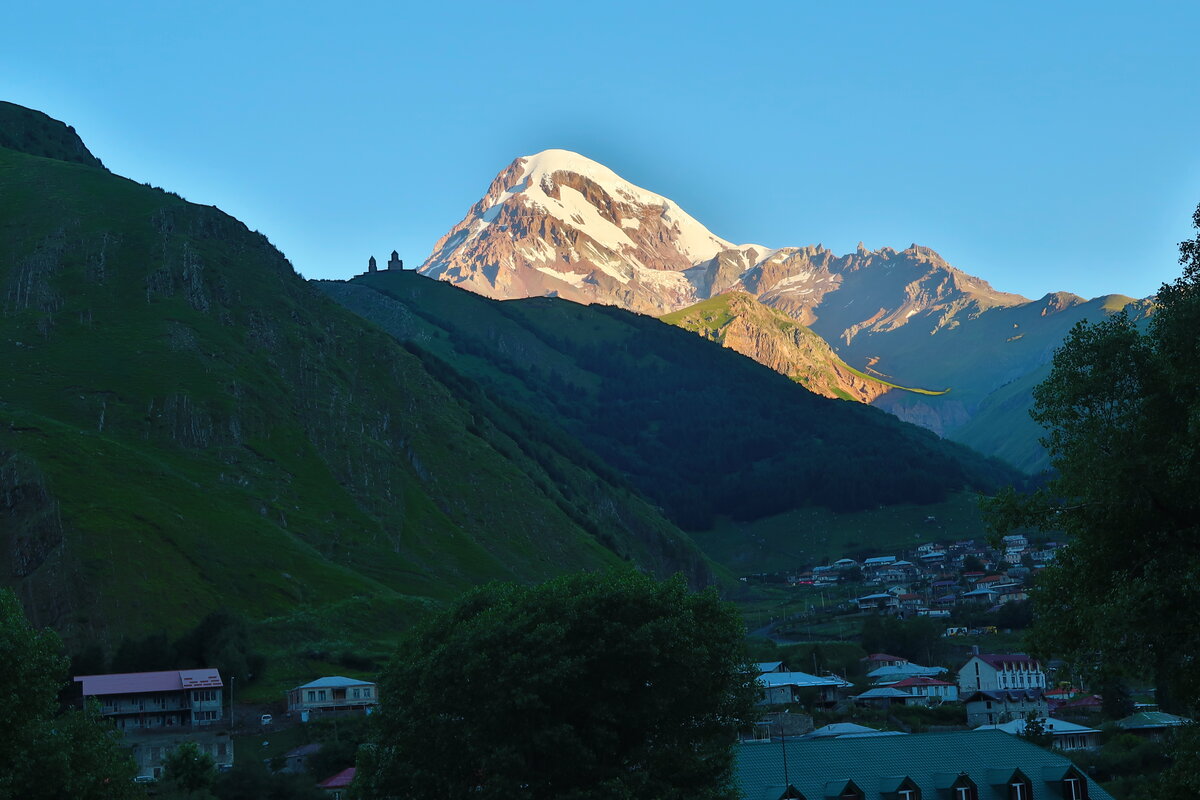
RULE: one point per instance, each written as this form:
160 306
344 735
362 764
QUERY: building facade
158 711
333 694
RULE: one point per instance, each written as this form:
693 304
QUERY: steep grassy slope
701 430
773 339
185 424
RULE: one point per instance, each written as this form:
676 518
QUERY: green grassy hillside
700 430
186 424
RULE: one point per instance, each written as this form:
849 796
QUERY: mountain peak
34 133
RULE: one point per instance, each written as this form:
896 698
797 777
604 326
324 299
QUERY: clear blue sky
1042 146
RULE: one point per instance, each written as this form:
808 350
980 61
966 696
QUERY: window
312 696
1019 787
367 692
355 692
321 695
1074 789
204 696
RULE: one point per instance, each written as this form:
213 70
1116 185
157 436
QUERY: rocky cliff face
773 339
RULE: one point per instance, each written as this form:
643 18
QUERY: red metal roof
176 680
339 781
998 660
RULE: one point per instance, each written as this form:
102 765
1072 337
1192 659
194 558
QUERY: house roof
933 761
904 671
339 781
883 693
1087 701
175 680
998 660
801 679
921 680
768 666
880 560
838 729
335 681
303 750
1150 719
1058 727
883 657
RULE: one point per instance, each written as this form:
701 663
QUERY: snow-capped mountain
557 223
561 224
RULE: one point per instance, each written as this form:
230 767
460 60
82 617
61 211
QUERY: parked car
265 719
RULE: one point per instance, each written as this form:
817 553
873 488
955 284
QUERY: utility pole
232 684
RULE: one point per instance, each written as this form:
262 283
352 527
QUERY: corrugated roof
839 729
1151 719
334 681
339 781
883 693
1055 726
140 682
921 680
931 760
768 666
800 679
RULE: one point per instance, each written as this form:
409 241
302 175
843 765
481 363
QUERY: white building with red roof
157 711
338 786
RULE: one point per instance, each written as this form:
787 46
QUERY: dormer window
1019 787
964 789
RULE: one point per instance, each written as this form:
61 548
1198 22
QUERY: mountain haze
559 224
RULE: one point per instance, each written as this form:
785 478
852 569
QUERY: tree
46 752
1121 408
587 686
188 772
1035 731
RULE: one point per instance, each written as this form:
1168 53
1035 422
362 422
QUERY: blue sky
1040 146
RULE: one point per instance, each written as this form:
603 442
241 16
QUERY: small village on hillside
963 712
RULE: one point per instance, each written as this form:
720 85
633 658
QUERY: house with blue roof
963 765
333 694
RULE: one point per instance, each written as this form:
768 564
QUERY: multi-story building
158 711
1000 672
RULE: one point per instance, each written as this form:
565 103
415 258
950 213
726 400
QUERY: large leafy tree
1121 407
588 686
46 752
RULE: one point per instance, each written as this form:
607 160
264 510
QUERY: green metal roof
1151 719
931 760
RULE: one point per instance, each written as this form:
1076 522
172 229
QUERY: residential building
963 765
991 708
793 687
158 711
1067 735
884 697
885 676
333 694
877 602
930 690
877 660
999 672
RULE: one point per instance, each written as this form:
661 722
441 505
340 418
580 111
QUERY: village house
999 672
884 697
1067 735
332 694
877 660
963 765
995 707
880 601
780 688
158 711
886 676
930 691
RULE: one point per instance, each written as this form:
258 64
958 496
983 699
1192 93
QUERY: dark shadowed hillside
185 424
700 429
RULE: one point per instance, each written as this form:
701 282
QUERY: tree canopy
45 752
1121 408
588 686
